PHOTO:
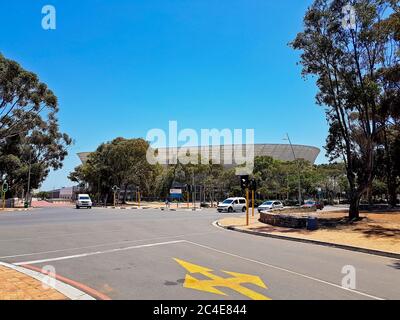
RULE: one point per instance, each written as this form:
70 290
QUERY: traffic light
188 188
253 185
244 182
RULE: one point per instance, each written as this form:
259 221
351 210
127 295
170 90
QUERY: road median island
31 283
375 234
15 285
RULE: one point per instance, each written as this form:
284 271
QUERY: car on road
311 203
232 205
83 201
269 205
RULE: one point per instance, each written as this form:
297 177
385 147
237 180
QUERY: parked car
232 205
269 205
83 201
312 203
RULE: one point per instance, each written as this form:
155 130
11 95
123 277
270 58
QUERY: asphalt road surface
151 255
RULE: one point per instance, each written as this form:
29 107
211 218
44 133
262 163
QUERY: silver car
269 205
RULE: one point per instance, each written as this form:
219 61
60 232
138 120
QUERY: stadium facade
281 152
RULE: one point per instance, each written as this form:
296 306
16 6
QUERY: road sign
4 189
176 193
235 282
115 189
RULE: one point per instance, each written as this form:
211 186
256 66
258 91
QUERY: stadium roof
281 152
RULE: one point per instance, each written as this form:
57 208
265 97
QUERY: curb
65 289
124 208
10 210
180 210
316 242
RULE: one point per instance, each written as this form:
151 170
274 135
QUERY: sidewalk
8 210
377 232
46 204
30 283
15 285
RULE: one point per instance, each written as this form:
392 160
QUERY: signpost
248 185
247 207
138 195
115 189
4 189
188 189
253 188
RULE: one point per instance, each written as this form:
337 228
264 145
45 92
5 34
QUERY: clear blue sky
122 67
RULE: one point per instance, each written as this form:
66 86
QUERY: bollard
312 223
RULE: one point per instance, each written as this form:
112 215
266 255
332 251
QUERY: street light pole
299 176
193 191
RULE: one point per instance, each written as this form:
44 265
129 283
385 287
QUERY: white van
232 205
83 201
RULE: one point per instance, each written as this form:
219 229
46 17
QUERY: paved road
141 254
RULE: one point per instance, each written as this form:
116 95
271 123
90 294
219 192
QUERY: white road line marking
215 224
93 232
87 254
107 244
285 270
57 236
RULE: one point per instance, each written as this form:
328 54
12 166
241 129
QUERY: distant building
53 194
63 193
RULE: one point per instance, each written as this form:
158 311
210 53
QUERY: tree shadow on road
395 265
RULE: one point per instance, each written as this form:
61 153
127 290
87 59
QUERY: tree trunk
125 192
370 196
354 197
393 196
354 212
390 177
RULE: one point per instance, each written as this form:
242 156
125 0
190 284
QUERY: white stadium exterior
281 152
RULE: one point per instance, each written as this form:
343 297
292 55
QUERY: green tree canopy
121 162
29 130
352 66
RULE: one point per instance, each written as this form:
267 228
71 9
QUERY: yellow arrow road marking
235 282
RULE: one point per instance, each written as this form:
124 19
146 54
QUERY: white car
269 205
83 201
232 205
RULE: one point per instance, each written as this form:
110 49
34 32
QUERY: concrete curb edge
316 242
65 289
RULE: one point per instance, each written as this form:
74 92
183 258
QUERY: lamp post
193 192
287 138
